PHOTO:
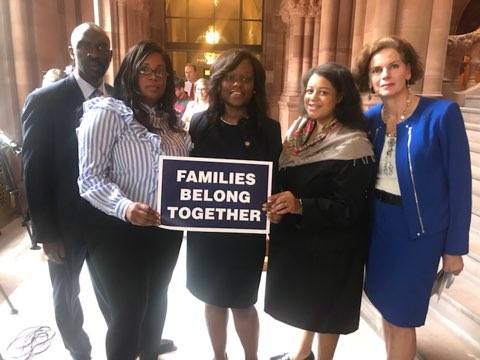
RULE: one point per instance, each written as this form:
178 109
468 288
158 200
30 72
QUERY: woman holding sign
223 270
318 245
120 140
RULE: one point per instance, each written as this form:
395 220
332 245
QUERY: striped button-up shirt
119 157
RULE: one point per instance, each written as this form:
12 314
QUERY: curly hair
225 63
348 111
408 54
126 84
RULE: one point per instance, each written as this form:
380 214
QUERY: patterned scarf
297 140
332 141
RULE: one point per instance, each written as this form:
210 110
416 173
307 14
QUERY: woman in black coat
223 270
318 245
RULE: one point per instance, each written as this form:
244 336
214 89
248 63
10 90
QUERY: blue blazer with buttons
433 167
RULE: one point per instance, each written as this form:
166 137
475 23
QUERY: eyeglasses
231 78
88 47
146 70
201 89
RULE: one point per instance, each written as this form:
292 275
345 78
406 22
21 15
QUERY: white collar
86 88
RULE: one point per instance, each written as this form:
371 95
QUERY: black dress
224 269
316 260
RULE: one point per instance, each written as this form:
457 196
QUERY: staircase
452 330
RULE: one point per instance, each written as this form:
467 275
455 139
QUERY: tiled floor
184 323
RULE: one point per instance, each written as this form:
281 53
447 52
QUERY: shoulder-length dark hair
407 52
348 111
126 83
225 63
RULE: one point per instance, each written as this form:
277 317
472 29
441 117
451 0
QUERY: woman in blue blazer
422 205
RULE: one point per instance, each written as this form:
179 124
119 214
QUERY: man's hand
55 252
143 215
452 263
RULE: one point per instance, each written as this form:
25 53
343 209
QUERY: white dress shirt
87 89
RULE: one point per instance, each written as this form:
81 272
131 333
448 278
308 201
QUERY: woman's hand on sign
143 215
274 218
283 203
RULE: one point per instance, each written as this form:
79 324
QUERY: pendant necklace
391 140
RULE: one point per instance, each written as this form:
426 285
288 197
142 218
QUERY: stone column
437 47
328 31
122 27
413 23
274 34
385 17
358 29
293 13
315 9
105 14
24 51
307 44
311 35
9 104
344 32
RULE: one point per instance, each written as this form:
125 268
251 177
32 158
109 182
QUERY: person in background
51 76
50 158
223 269
318 240
120 140
199 104
69 68
181 97
191 75
422 205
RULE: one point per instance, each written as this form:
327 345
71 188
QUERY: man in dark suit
50 156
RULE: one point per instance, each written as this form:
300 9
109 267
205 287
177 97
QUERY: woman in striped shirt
120 140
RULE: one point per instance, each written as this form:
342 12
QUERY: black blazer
209 141
50 159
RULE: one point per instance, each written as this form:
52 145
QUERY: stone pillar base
289 109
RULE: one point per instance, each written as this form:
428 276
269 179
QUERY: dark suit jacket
50 157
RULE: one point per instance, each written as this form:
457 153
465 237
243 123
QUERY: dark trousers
68 311
134 266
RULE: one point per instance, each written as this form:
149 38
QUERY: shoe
166 346
286 356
